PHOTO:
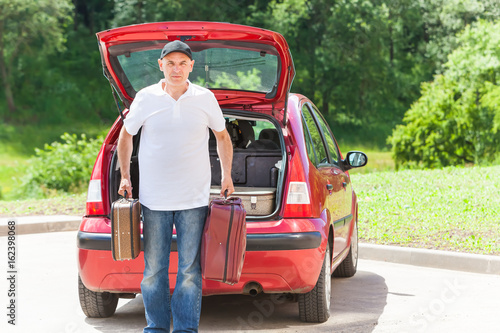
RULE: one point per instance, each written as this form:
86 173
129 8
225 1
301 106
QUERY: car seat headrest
270 134
247 133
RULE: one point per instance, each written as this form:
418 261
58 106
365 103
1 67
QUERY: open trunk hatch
246 68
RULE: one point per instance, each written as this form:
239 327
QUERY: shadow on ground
357 304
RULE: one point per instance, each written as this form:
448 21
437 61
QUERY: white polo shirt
174 163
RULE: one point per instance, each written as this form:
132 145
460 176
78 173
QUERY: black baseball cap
176 46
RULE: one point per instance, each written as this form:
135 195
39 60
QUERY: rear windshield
218 65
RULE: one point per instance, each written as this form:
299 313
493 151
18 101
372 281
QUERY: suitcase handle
225 194
125 195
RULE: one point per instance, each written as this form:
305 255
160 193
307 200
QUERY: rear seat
250 167
268 139
253 160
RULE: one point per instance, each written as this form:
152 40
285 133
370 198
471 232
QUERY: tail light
298 199
97 195
94 198
298 194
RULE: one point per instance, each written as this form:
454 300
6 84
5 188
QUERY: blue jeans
185 302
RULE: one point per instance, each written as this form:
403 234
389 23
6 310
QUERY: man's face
176 67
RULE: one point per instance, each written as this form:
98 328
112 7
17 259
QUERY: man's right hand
125 185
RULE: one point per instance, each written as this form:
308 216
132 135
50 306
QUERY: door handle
329 187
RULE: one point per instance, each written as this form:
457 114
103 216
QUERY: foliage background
362 61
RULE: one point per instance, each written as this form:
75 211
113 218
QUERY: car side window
330 141
309 147
315 135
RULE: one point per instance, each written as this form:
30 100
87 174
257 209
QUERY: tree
29 27
93 14
456 120
141 11
360 61
444 19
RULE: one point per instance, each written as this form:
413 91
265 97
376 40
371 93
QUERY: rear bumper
255 242
278 256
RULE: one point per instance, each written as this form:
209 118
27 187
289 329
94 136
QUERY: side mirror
355 159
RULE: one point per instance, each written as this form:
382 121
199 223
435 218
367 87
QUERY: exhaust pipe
252 289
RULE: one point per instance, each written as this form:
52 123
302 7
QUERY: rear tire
95 304
349 265
314 306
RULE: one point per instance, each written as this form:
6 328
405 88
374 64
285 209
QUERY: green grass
378 159
377 162
12 167
23 139
456 209
62 204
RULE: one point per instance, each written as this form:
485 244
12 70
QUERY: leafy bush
456 120
62 166
446 127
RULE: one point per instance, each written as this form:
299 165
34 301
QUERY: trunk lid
246 68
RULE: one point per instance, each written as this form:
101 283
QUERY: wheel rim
328 278
354 245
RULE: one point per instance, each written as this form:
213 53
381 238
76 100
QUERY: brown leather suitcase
125 229
224 241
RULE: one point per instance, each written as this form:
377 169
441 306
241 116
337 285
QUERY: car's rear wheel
314 306
349 265
95 304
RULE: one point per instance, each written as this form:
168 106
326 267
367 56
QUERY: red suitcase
224 241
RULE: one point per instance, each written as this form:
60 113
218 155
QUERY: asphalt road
381 297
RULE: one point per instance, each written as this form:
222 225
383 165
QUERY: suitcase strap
228 239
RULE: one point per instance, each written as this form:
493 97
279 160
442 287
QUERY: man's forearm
225 152
124 151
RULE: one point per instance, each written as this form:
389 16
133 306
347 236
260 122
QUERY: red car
302 212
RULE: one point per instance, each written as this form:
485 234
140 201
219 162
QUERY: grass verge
63 204
456 209
378 160
12 166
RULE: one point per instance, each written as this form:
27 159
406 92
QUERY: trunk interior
257 172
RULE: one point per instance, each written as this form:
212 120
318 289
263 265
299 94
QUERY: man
175 116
